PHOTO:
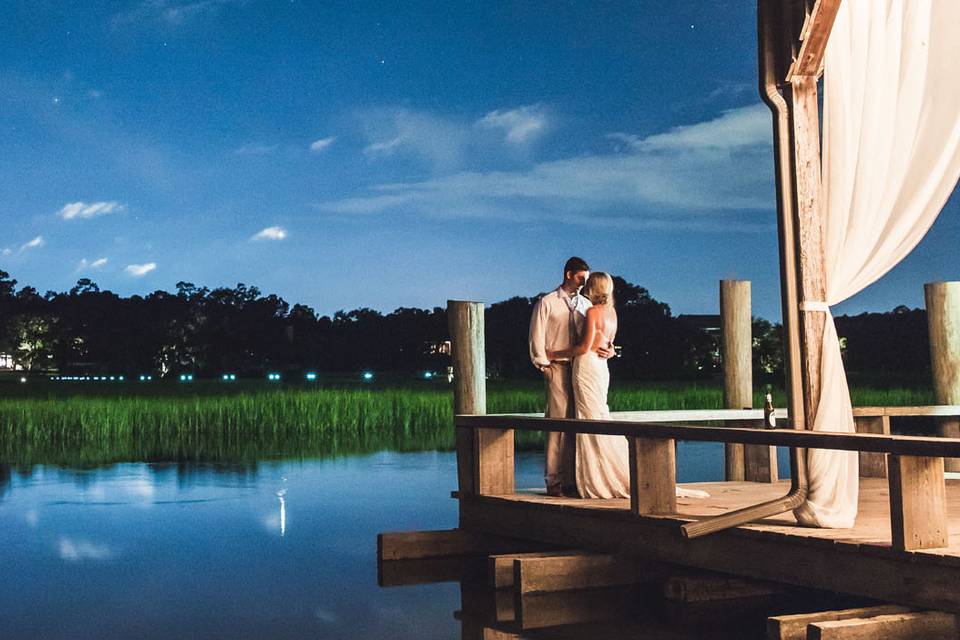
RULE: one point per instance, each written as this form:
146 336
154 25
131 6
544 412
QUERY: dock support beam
918 503
872 465
484 456
754 463
653 476
943 322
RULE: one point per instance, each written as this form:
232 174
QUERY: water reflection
645 610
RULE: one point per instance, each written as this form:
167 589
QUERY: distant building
7 363
708 323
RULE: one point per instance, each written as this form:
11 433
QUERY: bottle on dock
769 412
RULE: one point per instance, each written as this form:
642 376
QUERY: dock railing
918 506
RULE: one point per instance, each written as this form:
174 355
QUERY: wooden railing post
943 323
918 503
872 465
755 463
653 476
484 456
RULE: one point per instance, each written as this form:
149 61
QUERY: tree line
89 331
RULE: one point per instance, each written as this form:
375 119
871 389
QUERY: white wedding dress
603 465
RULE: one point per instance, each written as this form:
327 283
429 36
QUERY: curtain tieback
814 305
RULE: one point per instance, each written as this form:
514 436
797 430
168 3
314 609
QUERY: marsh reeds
74 427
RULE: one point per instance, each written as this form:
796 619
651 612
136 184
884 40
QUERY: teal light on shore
427 375
273 377
368 375
311 376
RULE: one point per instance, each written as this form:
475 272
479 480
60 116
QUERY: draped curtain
891 158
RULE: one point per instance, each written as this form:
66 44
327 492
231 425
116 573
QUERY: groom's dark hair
575 264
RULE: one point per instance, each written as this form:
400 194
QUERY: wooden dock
858 561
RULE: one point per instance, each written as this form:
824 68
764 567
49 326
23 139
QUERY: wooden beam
872 465
805 121
794 627
943 324
562 608
903 445
814 37
572 572
736 354
414 545
484 458
500 566
653 476
918 503
404 573
929 625
710 587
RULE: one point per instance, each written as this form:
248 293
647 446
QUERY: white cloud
319 145
254 149
171 12
270 233
7 252
721 166
76 550
744 127
74 210
140 270
432 138
520 125
86 264
33 244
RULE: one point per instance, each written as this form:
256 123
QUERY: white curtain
891 158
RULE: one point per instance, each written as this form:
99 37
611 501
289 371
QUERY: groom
556 323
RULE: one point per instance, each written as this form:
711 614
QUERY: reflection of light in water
283 510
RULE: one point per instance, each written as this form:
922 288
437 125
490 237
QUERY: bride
603 467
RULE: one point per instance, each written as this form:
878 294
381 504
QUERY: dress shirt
556 323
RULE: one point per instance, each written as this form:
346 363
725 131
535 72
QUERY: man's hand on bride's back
606 352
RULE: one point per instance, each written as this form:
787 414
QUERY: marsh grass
209 423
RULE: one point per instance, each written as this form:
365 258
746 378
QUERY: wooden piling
484 457
653 476
755 463
918 503
943 323
872 465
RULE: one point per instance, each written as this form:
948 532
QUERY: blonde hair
599 288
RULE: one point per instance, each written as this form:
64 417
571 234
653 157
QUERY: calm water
276 549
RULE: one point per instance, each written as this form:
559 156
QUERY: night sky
349 154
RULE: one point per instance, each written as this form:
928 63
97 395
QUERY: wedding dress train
603 465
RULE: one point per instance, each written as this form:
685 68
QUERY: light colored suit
556 322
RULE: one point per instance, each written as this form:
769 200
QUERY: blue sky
347 154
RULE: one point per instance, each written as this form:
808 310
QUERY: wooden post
735 355
755 463
872 465
918 503
943 323
805 123
653 476
484 456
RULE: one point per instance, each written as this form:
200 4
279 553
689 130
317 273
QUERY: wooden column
872 465
735 356
484 456
755 463
918 503
943 323
805 129
653 476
